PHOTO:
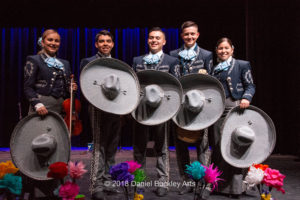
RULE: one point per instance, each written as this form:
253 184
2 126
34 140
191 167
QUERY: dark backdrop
265 32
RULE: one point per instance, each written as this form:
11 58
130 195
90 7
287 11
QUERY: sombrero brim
96 71
214 104
29 128
168 107
265 136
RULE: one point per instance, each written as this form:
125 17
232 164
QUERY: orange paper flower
261 166
7 168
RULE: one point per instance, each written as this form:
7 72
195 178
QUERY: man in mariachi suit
193 59
106 129
155 60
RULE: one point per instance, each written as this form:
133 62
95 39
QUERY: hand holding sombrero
248 136
37 142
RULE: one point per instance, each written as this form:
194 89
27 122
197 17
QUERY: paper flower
273 178
12 183
133 166
260 166
120 173
76 169
211 175
265 196
138 196
139 175
7 168
58 170
253 177
195 170
68 191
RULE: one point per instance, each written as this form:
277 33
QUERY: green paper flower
139 175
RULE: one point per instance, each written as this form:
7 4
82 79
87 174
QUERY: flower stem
259 188
126 193
202 190
195 190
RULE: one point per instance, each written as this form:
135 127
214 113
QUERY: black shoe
185 189
160 191
99 195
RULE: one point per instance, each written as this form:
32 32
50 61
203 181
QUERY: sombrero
110 85
37 142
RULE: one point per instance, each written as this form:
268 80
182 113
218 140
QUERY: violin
72 108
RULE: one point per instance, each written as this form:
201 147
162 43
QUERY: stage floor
284 163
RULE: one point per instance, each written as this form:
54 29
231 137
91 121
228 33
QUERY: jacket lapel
232 66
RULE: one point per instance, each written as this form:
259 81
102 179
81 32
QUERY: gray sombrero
110 85
203 102
161 95
37 142
248 136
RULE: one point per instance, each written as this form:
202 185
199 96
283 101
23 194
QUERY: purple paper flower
120 173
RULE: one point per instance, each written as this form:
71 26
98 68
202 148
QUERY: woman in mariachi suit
46 77
236 78
46 85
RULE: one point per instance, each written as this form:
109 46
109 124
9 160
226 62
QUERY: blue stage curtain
76 43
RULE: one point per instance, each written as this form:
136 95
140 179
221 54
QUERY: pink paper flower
133 166
76 169
68 191
273 178
211 175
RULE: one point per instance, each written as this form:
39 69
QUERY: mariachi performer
46 85
46 77
155 60
106 129
112 89
203 104
193 59
236 78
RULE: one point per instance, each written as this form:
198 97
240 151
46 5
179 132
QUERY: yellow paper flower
265 197
138 196
7 168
